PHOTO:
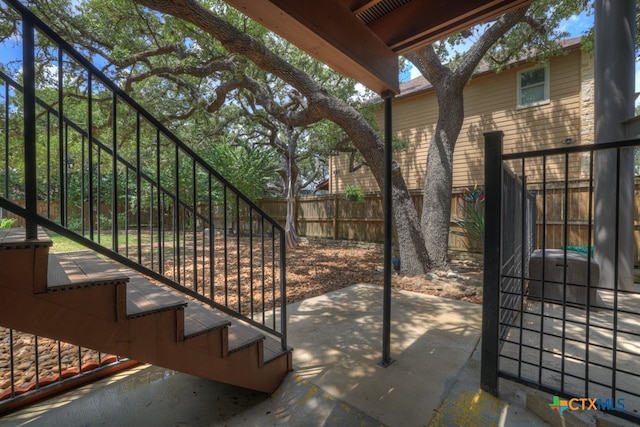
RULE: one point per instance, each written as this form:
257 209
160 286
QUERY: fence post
335 216
492 245
296 205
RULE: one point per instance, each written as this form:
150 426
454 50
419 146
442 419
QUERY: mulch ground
313 268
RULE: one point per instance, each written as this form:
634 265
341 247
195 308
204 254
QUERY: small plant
354 193
105 222
74 223
472 220
7 222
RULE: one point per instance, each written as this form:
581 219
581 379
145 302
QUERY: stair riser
25 268
240 368
149 338
213 342
93 304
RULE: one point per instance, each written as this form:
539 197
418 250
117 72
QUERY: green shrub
354 193
7 222
472 220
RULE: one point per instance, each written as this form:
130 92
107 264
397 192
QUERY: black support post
29 72
493 174
388 218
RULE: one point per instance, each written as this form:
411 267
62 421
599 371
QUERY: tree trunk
438 186
413 255
291 234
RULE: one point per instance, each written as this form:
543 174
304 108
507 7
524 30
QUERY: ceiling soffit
362 39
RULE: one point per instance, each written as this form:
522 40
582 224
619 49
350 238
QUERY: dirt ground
314 268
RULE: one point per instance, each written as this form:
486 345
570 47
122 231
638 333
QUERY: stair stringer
88 316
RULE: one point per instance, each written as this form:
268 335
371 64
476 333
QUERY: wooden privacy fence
184 218
577 213
334 217
76 212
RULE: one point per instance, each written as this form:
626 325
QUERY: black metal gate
548 320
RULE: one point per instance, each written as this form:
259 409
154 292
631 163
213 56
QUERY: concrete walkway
337 380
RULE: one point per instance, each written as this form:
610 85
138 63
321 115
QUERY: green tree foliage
198 89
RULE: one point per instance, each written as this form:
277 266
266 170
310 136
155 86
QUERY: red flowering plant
471 222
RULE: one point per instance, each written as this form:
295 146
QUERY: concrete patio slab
337 380
337 339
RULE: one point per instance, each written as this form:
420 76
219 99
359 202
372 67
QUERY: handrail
585 148
183 243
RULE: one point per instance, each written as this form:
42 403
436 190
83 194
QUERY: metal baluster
238 252
12 364
195 229
251 260
29 106
126 216
99 193
160 205
283 293
138 189
114 174
589 278
176 232
6 140
263 267
273 272
62 159
48 164
226 263
37 362
211 243
90 152
82 189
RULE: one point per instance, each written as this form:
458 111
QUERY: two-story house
536 106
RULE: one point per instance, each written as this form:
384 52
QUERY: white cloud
413 72
577 25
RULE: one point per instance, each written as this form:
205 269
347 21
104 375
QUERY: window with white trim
533 87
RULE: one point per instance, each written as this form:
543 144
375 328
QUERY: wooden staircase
82 299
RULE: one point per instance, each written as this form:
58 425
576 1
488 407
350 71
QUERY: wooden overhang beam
330 32
420 23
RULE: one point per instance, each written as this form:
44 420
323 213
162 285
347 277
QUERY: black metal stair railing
89 163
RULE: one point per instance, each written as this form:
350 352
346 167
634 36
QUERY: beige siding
490 104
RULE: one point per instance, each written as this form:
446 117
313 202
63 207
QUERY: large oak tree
227 67
534 29
530 29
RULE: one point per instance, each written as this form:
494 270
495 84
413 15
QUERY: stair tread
83 268
143 297
272 349
16 238
242 335
198 319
